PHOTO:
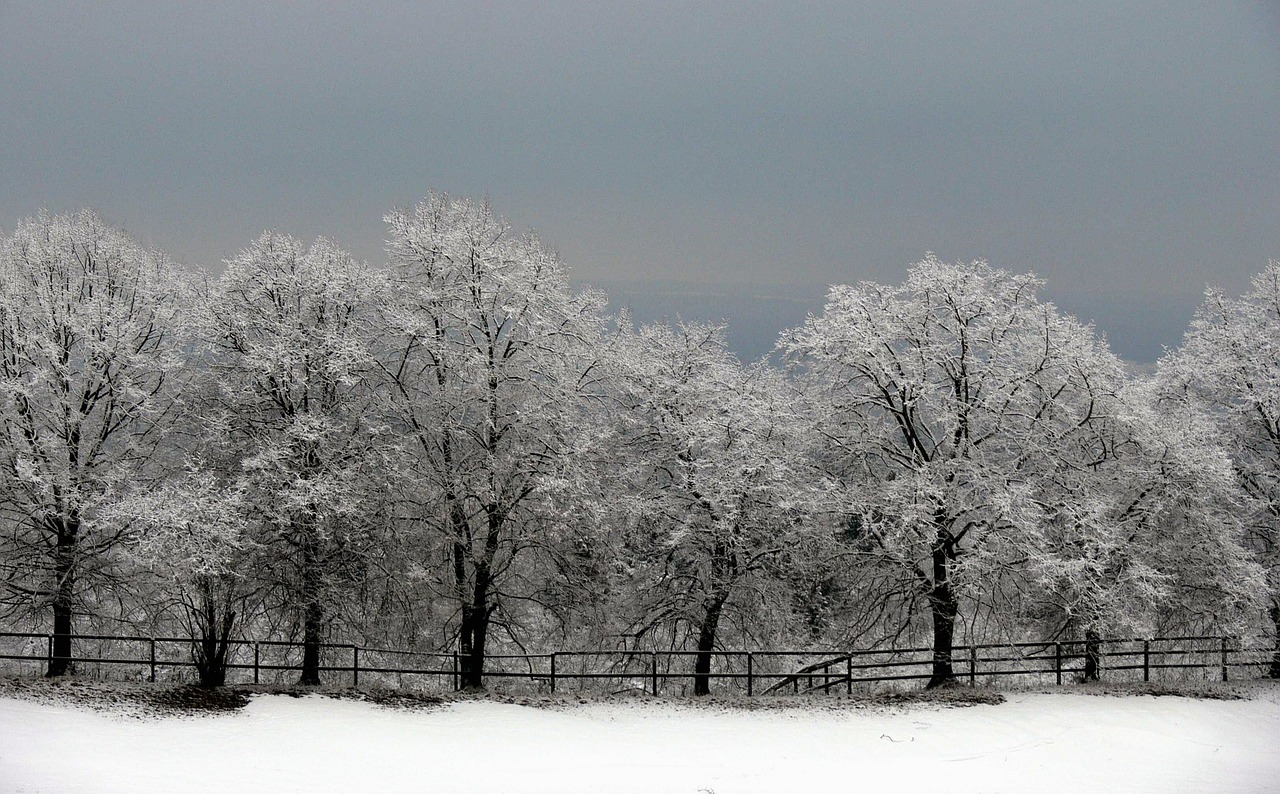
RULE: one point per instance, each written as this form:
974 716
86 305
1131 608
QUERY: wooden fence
654 672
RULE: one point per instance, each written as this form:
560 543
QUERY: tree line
460 450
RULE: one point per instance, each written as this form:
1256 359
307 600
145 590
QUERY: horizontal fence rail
656 672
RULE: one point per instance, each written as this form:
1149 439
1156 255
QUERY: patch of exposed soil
1208 691
390 698
193 699
946 695
143 699
1243 689
135 698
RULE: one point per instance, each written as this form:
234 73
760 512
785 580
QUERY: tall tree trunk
477 610
311 631
64 597
463 595
60 662
1092 655
313 616
1274 672
475 630
943 607
706 644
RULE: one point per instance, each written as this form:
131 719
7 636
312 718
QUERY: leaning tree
90 347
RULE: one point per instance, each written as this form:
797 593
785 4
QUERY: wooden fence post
553 673
750 688
1146 660
653 671
456 683
848 674
255 662
355 665
153 660
973 665
1225 649
1057 661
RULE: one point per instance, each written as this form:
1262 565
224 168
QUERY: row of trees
460 450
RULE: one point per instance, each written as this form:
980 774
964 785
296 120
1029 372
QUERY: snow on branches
988 447
461 450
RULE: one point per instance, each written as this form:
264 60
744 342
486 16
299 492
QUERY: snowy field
1035 742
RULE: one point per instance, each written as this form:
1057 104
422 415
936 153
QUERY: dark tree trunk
311 630
1092 655
477 608
63 599
471 646
706 645
943 608
313 617
211 624
60 662
1274 672
475 631
210 656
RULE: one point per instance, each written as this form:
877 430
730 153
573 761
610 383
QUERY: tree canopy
460 451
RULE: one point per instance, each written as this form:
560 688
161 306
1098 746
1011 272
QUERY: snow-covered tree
492 363
90 347
996 454
714 489
934 398
191 533
290 336
1145 533
1229 363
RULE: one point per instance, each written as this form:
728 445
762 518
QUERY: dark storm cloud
1125 152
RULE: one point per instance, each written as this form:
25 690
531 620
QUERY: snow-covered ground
1035 742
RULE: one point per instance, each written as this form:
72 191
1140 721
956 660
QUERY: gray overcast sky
1127 152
